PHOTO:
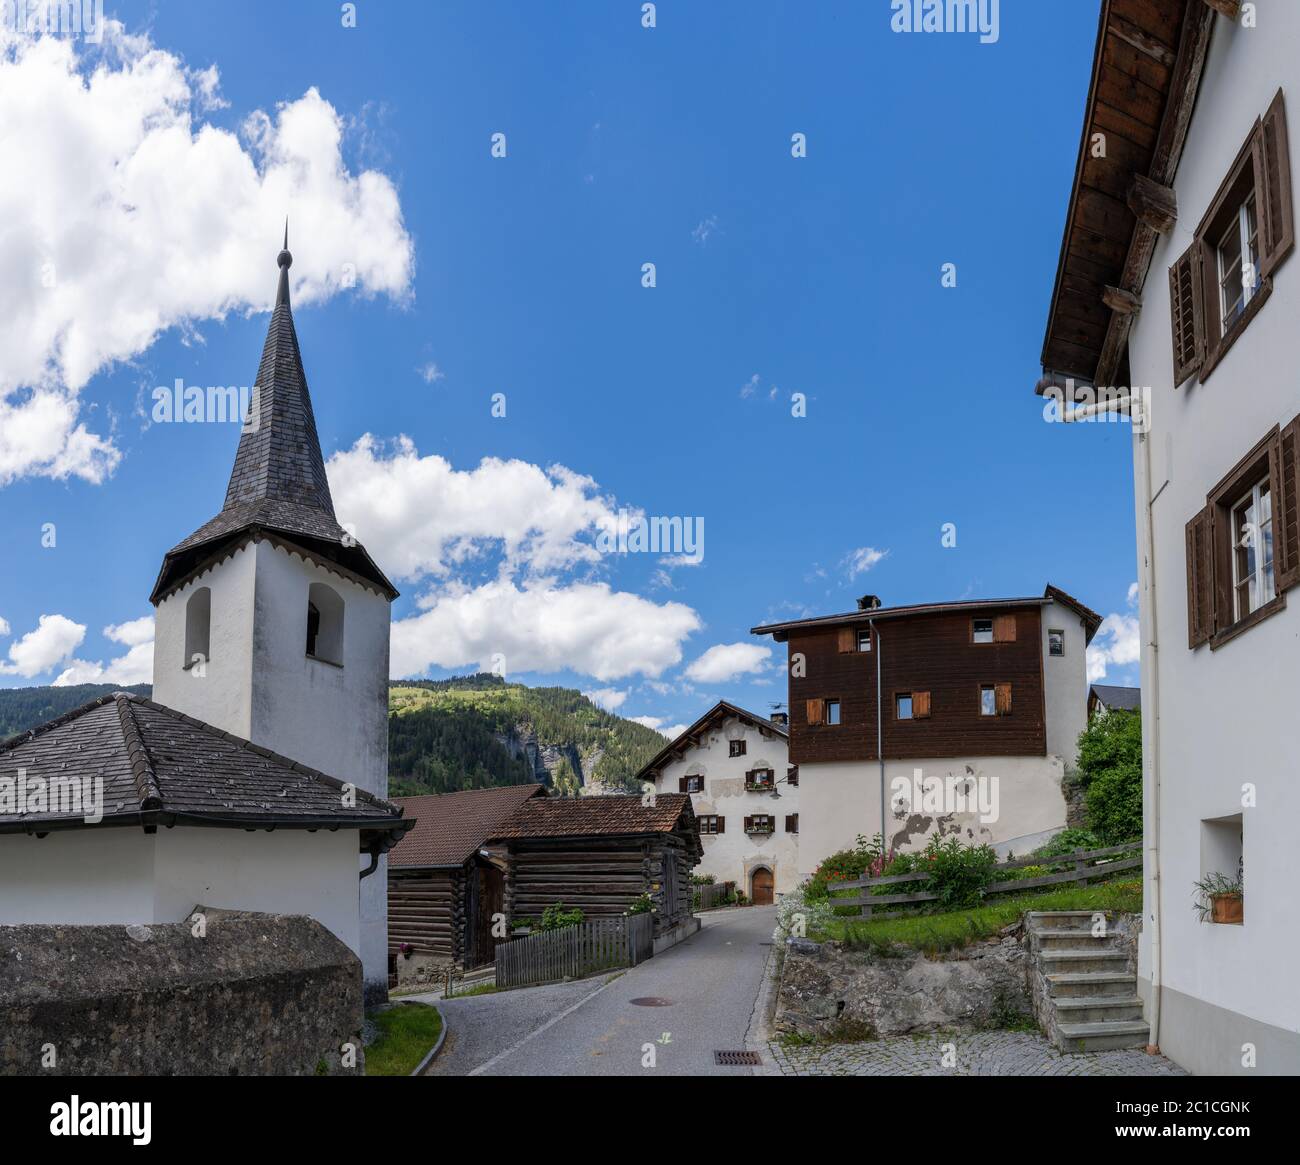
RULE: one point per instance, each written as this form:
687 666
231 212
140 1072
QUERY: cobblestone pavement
977 1054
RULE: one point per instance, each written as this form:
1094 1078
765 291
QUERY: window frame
711 819
899 697
864 636
992 690
691 778
1060 633
737 747
975 632
835 719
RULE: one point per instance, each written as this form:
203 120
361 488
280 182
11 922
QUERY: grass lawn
408 1031
942 932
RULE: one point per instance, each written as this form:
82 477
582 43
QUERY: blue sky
521 275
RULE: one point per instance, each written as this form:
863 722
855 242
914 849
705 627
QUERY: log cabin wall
426 908
602 876
921 653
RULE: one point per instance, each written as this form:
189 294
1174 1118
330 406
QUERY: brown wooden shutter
1200 577
749 824
1004 629
1002 699
792 823
920 705
1284 473
847 640
681 784
1187 313
1277 228
721 825
816 711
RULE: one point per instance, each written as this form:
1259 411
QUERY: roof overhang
1147 70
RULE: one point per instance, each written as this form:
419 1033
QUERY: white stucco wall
261 685
1065 683
842 800
1225 716
123 875
733 856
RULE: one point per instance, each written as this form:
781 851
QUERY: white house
745 794
1190 296
950 718
270 672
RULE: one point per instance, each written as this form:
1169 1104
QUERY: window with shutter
1002 698
1286 514
792 823
1187 312
1200 578
920 705
749 825
720 825
681 784
847 640
1274 164
1004 629
816 711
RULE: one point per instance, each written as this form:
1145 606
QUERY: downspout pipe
1151 719
376 848
880 736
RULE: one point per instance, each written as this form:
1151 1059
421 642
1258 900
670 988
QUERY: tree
1110 769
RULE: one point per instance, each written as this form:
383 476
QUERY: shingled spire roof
278 483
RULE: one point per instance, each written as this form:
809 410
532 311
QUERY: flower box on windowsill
1227 908
756 830
758 787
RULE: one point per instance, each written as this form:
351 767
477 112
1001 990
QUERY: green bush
958 873
556 917
1066 842
643 905
1110 768
1115 804
863 860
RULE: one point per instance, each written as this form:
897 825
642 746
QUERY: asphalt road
708 986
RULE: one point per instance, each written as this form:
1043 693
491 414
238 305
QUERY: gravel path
978 1054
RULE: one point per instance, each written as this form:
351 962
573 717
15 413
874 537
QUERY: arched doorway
760 887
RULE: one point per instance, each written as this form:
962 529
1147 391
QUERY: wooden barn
442 888
600 854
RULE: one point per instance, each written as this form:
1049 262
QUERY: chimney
781 718
869 603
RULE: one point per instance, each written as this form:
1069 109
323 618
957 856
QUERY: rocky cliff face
548 760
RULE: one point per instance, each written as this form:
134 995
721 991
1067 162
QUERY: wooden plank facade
934 657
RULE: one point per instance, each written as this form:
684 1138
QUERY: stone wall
829 990
252 994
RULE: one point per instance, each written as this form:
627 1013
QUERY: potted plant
1220 898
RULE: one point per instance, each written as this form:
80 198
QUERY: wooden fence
1097 863
713 895
575 951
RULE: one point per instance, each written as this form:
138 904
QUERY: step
1073 985
1098 1008
1067 939
1062 919
1103 1037
1101 960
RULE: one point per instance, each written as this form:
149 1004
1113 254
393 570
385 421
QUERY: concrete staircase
1090 989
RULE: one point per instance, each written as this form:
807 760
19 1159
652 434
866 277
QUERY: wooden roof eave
1150 198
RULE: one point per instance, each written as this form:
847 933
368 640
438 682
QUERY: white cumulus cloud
862 559
420 516
1118 642
587 627
126 213
727 661
54 640
135 667
611 699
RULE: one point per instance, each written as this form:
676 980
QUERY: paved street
977 1054
593 1028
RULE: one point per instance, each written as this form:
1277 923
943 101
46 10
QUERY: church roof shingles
161 767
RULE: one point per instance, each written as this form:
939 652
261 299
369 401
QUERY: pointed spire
285 260
278 482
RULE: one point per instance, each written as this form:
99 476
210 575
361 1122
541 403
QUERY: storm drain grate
737 1059
651 1001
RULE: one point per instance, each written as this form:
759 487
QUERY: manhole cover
737 1059
651 1001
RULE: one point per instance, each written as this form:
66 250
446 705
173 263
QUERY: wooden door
491 901
761 888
